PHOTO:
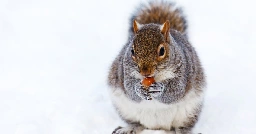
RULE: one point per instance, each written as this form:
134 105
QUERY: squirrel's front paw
141 91
156 89
123 130
131 129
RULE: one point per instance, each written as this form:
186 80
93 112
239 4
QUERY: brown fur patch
146 43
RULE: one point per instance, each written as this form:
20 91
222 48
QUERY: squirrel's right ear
136 26
165 29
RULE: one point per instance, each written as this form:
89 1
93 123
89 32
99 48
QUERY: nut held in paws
148 81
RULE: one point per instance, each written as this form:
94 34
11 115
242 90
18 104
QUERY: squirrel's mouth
150 75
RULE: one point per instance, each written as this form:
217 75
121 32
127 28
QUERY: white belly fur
153 114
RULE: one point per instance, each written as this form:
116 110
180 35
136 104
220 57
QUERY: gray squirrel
158 47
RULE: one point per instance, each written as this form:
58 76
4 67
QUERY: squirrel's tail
159 12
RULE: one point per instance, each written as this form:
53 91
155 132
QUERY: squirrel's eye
161 52
132 52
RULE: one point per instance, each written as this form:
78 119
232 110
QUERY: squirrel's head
150 46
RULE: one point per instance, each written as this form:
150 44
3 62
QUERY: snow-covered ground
55 55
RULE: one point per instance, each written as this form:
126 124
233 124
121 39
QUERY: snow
55 55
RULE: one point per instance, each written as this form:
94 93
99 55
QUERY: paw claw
115 131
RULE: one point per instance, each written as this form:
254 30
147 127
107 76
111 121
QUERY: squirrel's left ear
165 28
136 26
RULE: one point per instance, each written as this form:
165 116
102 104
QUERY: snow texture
55 55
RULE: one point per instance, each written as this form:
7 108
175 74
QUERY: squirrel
157 47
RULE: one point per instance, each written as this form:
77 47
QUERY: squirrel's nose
145 72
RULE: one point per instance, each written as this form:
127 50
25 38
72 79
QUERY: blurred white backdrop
55 55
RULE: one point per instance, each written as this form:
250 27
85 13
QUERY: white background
55 55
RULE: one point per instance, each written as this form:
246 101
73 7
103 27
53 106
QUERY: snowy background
55 55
